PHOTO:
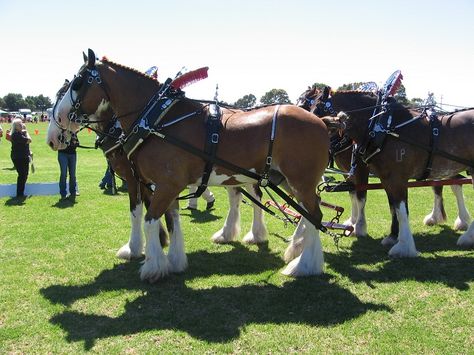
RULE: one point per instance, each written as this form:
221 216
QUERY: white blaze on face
62 110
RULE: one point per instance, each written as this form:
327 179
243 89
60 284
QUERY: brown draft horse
108 136
406 151
315 101
244 142
59 138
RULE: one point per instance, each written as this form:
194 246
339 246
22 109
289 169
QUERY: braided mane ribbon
190 78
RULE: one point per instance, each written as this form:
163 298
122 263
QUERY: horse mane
397 106
353 92
142 74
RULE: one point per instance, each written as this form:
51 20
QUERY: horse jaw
52 139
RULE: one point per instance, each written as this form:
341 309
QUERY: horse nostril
51 144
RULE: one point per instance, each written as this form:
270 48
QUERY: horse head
57 137
307 98
78 103
337 124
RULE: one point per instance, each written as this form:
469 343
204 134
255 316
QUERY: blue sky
249 46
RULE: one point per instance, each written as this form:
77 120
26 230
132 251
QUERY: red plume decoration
189 78
395 83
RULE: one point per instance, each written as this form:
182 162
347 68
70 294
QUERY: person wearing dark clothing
106 182
67 159
20 153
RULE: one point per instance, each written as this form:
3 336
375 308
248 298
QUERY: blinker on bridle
77 83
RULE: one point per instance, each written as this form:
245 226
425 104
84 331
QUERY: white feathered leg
354 210
176 254
258 233
156 263
467 239
134 247
295 247
360 227
405 246
463 220
311 260
231 228
436 216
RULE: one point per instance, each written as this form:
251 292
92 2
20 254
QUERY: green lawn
64 291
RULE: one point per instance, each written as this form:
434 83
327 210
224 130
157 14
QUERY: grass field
64 291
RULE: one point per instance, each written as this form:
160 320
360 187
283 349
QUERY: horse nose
51 144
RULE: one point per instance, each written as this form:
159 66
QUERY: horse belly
221 179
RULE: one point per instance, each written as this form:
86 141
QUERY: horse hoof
126 253
403 251
221 237
431 220
251 238
389 241
459 225
466 241
297 268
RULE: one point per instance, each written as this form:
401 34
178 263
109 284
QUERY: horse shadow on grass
214 314
197 216
432 265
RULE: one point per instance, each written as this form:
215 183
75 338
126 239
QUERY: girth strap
435 124
268 162
214 126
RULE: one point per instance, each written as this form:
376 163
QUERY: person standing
20 153
67 159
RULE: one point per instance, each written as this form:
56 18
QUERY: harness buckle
269 160
263 182
435 131
215 138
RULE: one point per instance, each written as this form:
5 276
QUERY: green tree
350 86
13 102
30 102
416 101
246 101
2 103
401 95
319 86
275 96
42 102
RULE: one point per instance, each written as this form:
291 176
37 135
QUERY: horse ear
326 92
85 57
90 59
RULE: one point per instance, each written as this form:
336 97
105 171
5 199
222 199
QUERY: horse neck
360 108
129 93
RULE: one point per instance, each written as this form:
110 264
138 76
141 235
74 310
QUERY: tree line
281 96
14 102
